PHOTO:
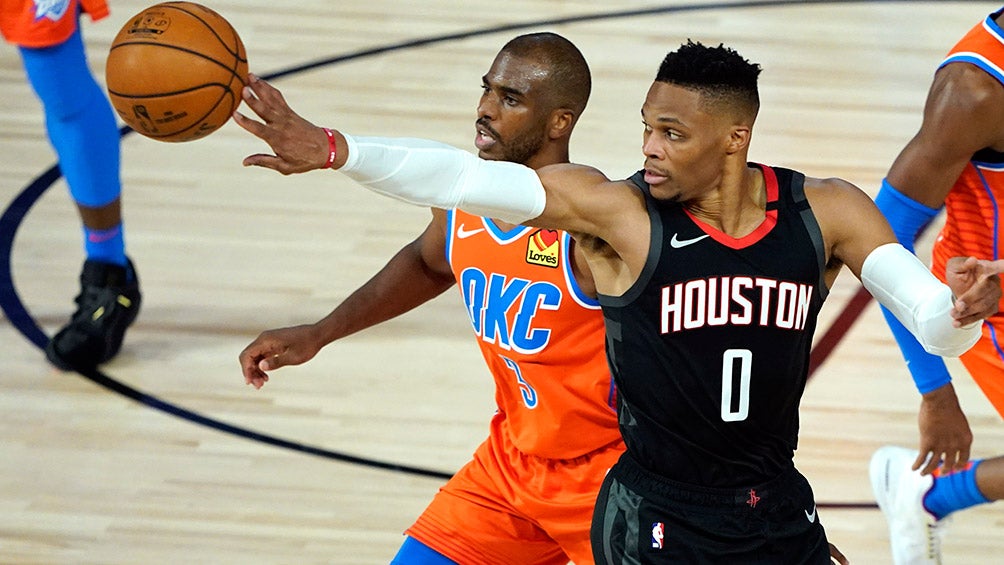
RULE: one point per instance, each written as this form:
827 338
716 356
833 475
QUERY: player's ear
739 138
561 123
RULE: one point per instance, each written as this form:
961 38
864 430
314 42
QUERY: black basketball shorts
641 518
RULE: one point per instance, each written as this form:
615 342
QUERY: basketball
175 71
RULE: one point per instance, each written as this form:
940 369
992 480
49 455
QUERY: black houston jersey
710 347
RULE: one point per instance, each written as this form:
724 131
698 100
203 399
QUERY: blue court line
10 221
19 317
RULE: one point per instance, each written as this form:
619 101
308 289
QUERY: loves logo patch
542 248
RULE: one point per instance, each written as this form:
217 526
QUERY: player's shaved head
568 81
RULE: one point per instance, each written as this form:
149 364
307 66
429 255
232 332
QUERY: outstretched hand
277 348
977 287
299 145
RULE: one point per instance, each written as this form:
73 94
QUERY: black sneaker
106 306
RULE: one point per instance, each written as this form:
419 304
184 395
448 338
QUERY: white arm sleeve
901 282
428 173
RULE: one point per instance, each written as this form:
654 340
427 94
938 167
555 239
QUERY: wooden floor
91 476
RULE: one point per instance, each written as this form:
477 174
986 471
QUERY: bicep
852 225
928 167
431 248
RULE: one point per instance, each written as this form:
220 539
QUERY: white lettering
723 301
696 296
804 301
786 305
671 308
720 316
765 287
745 314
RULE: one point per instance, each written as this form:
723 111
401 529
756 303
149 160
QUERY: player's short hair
722 76
569 81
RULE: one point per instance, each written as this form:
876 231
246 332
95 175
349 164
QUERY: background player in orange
956 160
527 497
710 271
81 127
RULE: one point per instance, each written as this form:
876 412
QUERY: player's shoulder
579 175
965 89
835 192
569 170
831 184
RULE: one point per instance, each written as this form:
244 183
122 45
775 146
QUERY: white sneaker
914 534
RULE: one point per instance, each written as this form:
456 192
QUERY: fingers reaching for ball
298 145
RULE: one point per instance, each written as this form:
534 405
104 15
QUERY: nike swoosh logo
464 234
678 243
811 516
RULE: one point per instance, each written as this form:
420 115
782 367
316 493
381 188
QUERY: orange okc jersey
44 23
543 339
976 201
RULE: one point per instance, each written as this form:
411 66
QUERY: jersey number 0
744 358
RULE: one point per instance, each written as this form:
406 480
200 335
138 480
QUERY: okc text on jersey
494 300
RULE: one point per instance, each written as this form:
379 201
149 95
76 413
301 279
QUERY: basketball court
165 456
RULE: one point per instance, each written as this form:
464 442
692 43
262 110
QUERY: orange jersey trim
44 23
983 46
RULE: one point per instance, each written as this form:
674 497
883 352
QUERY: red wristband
332 148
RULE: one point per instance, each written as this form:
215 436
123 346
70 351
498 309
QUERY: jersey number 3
527 391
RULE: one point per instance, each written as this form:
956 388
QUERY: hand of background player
299 145
945 436
977 288
278 348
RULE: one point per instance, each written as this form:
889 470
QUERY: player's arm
415 275
904 286
857 235
961 116
418 273
958 120
577 198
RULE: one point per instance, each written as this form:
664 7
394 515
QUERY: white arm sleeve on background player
420 171
922 303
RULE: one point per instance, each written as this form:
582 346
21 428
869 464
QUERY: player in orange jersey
81 127
527 496
956 160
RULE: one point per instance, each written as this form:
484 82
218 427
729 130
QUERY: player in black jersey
711 271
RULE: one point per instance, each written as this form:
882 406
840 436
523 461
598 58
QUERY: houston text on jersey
736 301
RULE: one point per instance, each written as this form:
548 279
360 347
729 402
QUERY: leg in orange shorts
506 507
985 363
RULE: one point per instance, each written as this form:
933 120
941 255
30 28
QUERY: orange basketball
175 71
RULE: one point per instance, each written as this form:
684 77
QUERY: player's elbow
936 332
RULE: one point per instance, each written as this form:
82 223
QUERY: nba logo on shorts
658 532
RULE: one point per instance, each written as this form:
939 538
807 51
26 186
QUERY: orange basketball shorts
505 507
985 363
